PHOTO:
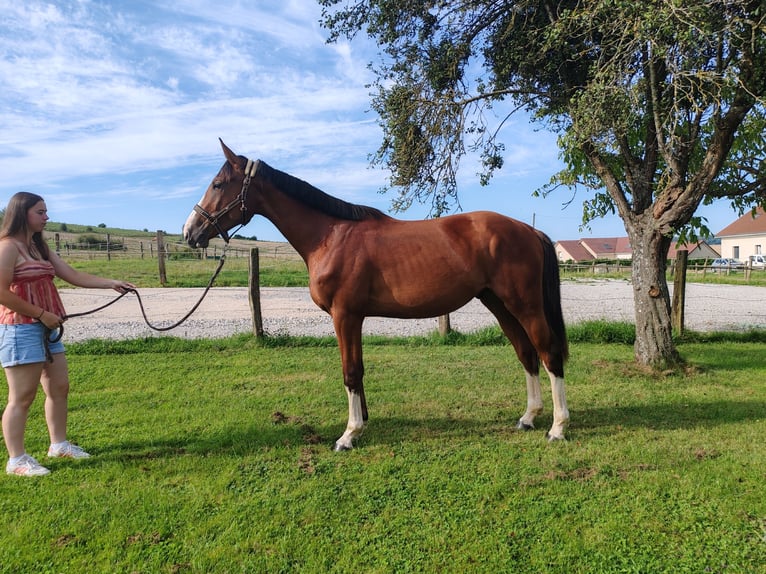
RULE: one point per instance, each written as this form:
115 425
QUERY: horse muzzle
194 232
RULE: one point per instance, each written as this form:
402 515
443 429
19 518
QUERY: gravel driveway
289 310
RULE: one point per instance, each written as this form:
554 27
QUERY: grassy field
215 456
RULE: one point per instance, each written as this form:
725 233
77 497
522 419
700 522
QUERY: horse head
224 203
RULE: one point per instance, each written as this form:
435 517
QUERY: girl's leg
55 382
22 388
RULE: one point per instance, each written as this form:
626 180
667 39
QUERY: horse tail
552 296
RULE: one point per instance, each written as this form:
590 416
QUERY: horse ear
230 155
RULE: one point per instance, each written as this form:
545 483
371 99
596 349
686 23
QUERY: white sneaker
67 450
26 466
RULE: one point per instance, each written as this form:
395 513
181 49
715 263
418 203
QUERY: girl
30 302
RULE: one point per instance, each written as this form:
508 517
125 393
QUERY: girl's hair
15 220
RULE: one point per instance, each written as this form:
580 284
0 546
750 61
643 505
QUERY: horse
362 263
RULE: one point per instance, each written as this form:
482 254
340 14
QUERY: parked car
727 263
758 261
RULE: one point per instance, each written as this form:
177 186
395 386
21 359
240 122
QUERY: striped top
33 282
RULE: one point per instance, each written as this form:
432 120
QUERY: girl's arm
82 279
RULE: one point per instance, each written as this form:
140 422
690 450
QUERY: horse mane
313 197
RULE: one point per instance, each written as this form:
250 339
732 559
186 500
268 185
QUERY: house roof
746 225
588 249
697 248
606 247
575 249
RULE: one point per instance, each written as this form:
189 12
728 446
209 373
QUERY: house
614 248
572 250
592 248
697 251
745 237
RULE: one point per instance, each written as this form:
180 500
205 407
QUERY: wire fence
708 307
623 267
97 246
172 248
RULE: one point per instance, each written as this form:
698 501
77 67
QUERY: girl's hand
51 320
122 286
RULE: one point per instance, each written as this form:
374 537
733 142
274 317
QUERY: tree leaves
656 90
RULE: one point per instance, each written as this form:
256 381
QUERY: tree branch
612 184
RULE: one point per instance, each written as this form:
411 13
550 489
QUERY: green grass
215 456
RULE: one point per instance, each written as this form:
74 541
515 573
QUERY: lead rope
48 339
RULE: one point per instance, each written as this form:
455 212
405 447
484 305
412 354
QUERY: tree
659 107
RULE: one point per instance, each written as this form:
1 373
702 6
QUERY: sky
112 112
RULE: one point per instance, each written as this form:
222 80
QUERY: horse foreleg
560 411
349 332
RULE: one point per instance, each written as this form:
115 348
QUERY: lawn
215 456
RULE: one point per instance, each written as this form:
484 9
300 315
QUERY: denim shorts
23 344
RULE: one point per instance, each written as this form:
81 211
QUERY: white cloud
78 90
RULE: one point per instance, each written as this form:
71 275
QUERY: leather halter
239 200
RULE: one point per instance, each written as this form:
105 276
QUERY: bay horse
362 263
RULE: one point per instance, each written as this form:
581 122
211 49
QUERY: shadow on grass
391 431
675 416
741 360
254 438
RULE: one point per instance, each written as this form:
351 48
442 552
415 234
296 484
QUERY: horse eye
217 185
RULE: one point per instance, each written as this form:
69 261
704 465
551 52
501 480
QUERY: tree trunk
654 342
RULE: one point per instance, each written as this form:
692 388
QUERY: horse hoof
341 447
524 426
552 438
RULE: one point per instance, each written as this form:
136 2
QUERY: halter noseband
239 200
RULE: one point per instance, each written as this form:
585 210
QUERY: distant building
614 248
697 251
745 237
594 248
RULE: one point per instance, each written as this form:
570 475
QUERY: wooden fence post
444 325
161 257
254 291
679 292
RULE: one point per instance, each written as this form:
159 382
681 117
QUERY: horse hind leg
560 410
552 355
526 353
534 402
